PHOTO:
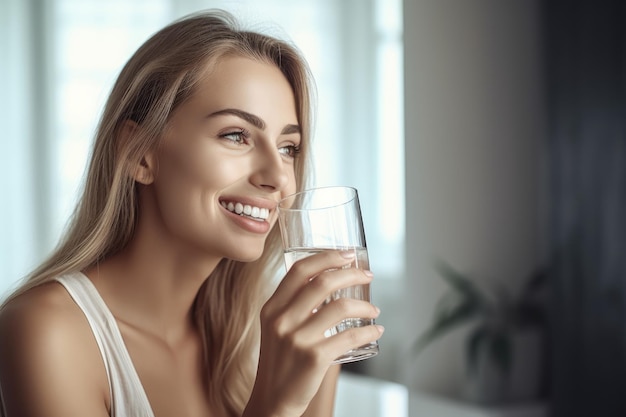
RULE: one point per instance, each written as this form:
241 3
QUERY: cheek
292 186
188 167
186 184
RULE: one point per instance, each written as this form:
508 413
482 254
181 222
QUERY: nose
270 171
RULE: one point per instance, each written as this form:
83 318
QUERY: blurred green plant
496 313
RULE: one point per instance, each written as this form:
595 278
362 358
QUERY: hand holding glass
323 219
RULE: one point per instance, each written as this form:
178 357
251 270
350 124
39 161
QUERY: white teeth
247 210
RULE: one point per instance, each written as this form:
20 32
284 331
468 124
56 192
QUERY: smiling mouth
253 212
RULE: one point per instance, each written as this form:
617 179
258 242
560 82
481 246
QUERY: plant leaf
478 339
446 304
443 323
464 286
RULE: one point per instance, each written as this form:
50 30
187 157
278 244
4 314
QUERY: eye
239 136
290 151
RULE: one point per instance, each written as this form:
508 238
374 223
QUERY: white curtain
60 57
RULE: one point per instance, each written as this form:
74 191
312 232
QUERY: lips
256 213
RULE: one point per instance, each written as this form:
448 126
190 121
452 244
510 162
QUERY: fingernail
348 254
377 309
368 273
380 328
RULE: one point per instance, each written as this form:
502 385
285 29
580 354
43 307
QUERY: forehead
236 80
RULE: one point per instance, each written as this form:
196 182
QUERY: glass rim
353 195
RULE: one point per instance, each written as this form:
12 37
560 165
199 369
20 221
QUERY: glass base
364 352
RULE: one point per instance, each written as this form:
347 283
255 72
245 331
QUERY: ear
144 172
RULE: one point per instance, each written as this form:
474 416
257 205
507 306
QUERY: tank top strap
128 397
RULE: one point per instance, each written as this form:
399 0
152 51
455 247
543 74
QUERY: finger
349 339
333 313
318 290
305 269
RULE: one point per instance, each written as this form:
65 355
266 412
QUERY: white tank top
128 398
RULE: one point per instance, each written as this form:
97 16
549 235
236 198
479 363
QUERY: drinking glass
329 218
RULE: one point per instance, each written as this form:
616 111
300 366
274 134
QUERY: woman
159 300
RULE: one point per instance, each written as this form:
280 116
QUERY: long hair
159 77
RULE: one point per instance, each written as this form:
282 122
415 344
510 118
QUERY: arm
323 403
48 365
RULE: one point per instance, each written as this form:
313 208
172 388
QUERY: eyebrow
255 120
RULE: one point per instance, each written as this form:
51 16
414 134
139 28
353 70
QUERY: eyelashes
242 137
291 151
239 136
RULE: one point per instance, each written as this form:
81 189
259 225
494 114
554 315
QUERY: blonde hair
162 74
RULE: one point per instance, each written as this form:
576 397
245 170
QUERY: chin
246 257
246 250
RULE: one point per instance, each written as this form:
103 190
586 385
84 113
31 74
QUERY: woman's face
226 159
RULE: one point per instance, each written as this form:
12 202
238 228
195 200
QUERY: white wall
19 201
474 125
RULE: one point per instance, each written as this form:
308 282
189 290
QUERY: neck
153 288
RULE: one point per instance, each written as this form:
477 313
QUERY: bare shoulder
50 363
49 298
45 314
